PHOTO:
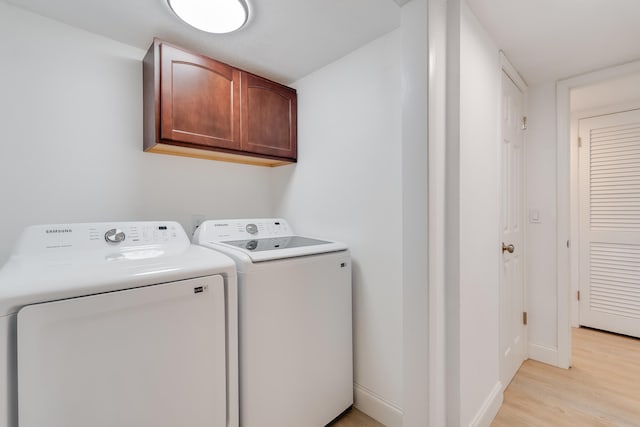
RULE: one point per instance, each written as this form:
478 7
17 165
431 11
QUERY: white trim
437 120
452 210
513 74
562 226
601 75
574 213
416 221
563 123
489 408
603 111
376 407
543 354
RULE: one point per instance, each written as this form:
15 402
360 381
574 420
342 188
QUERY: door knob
508 248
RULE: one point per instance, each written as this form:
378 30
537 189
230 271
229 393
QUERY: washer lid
275 243
274 248
260 239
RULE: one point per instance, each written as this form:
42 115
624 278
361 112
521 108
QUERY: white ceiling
547 40
285 39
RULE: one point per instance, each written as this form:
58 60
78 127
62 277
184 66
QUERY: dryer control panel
240 229
102 238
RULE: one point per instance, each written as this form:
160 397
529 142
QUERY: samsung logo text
58 230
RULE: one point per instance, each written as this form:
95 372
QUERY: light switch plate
534 216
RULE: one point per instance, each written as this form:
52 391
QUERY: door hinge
578 295
524 122
579 142
524 317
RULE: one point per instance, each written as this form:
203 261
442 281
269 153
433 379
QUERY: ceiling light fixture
212 16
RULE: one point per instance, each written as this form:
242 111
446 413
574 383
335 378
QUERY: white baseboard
548 355
377 407
489 408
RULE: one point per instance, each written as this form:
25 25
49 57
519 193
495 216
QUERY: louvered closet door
610 222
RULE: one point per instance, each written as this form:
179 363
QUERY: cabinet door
268 117
199 100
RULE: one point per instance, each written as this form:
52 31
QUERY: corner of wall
376 407
540 353
489 408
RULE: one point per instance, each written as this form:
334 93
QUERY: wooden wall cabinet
198 107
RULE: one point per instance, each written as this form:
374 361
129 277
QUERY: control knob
251 228
115 235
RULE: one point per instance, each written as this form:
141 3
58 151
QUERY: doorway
590 95
608 214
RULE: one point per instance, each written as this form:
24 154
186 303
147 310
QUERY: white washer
295 327
117 324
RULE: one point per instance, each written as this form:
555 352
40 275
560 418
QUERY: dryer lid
60 261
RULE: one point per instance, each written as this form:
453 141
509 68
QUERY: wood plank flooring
602 388
355 418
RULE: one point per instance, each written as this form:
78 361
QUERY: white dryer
295 322
117 324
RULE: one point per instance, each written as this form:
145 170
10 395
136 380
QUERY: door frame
511 72
566 252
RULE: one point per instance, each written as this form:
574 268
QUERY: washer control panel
239 229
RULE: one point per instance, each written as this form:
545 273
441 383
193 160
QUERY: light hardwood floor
602 388
355 418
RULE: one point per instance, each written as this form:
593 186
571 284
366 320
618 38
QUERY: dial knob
251 228
115 235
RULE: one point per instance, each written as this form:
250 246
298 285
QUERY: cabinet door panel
199 100
269 117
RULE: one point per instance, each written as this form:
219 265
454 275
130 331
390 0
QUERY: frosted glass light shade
212 16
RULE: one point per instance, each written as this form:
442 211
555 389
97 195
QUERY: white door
610 222
151 356
512 341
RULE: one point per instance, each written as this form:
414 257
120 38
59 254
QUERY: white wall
71 120
347 186
480 387
540 189
614 91
474 390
